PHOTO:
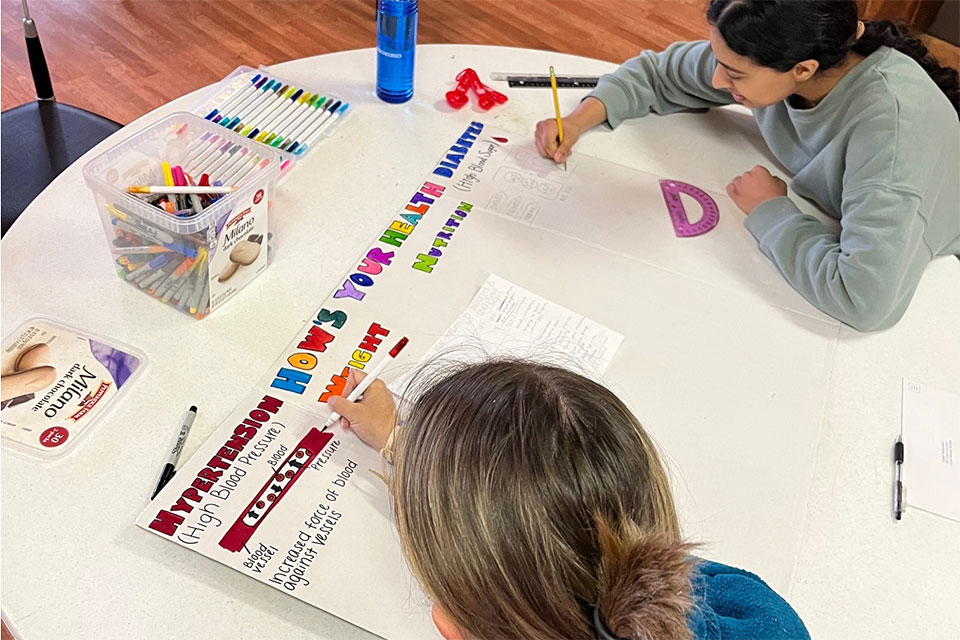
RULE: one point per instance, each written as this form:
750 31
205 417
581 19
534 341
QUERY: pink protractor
457 97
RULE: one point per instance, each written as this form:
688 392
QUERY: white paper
621 210
505 320
330 540
931 465
415 280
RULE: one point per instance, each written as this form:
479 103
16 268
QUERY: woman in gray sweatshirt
858 112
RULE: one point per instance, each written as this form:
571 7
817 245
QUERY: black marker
171 465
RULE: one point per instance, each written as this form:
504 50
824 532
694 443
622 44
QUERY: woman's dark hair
780 33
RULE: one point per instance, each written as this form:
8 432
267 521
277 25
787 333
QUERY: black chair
40 139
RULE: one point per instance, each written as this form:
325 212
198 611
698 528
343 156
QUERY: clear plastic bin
191 261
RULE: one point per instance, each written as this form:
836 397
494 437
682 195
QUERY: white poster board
725 366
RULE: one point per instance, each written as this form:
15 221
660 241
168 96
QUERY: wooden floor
124 58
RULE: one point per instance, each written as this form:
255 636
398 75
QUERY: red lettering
202 485
182 505
317 340
230 449
245 431
371 341
259 416
209 474
217 463
166 523
271 404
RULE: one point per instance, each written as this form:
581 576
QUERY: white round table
74 563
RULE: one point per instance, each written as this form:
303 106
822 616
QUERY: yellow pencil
556 108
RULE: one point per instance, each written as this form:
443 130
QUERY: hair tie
603 633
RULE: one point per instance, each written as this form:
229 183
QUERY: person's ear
445 626
804 70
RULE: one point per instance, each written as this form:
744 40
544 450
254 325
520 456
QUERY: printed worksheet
930 426
505 320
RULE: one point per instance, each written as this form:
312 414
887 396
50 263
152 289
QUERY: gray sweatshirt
881 153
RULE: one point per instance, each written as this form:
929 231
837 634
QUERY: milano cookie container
58 381
192 252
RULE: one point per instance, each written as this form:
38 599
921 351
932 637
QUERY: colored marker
136 226
290 118
200 151
243 172
142 270
319 132
157 275
279 102
256 111
254 82
226 117
228 168
313 122
291 100
164 286
197 145
302 121
204 303
167 174
368 380
140 250
270 91
278 121
226 158
204 160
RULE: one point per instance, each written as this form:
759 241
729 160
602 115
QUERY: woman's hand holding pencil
589 114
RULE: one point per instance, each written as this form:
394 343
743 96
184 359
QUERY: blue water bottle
396 43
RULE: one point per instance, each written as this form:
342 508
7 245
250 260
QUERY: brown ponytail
504 475
643 590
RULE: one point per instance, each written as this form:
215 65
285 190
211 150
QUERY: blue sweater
732 604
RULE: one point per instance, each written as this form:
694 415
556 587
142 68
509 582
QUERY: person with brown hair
531 503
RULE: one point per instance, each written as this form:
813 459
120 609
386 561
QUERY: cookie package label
238 248
56 382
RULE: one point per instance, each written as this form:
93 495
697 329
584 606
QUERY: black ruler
564 82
